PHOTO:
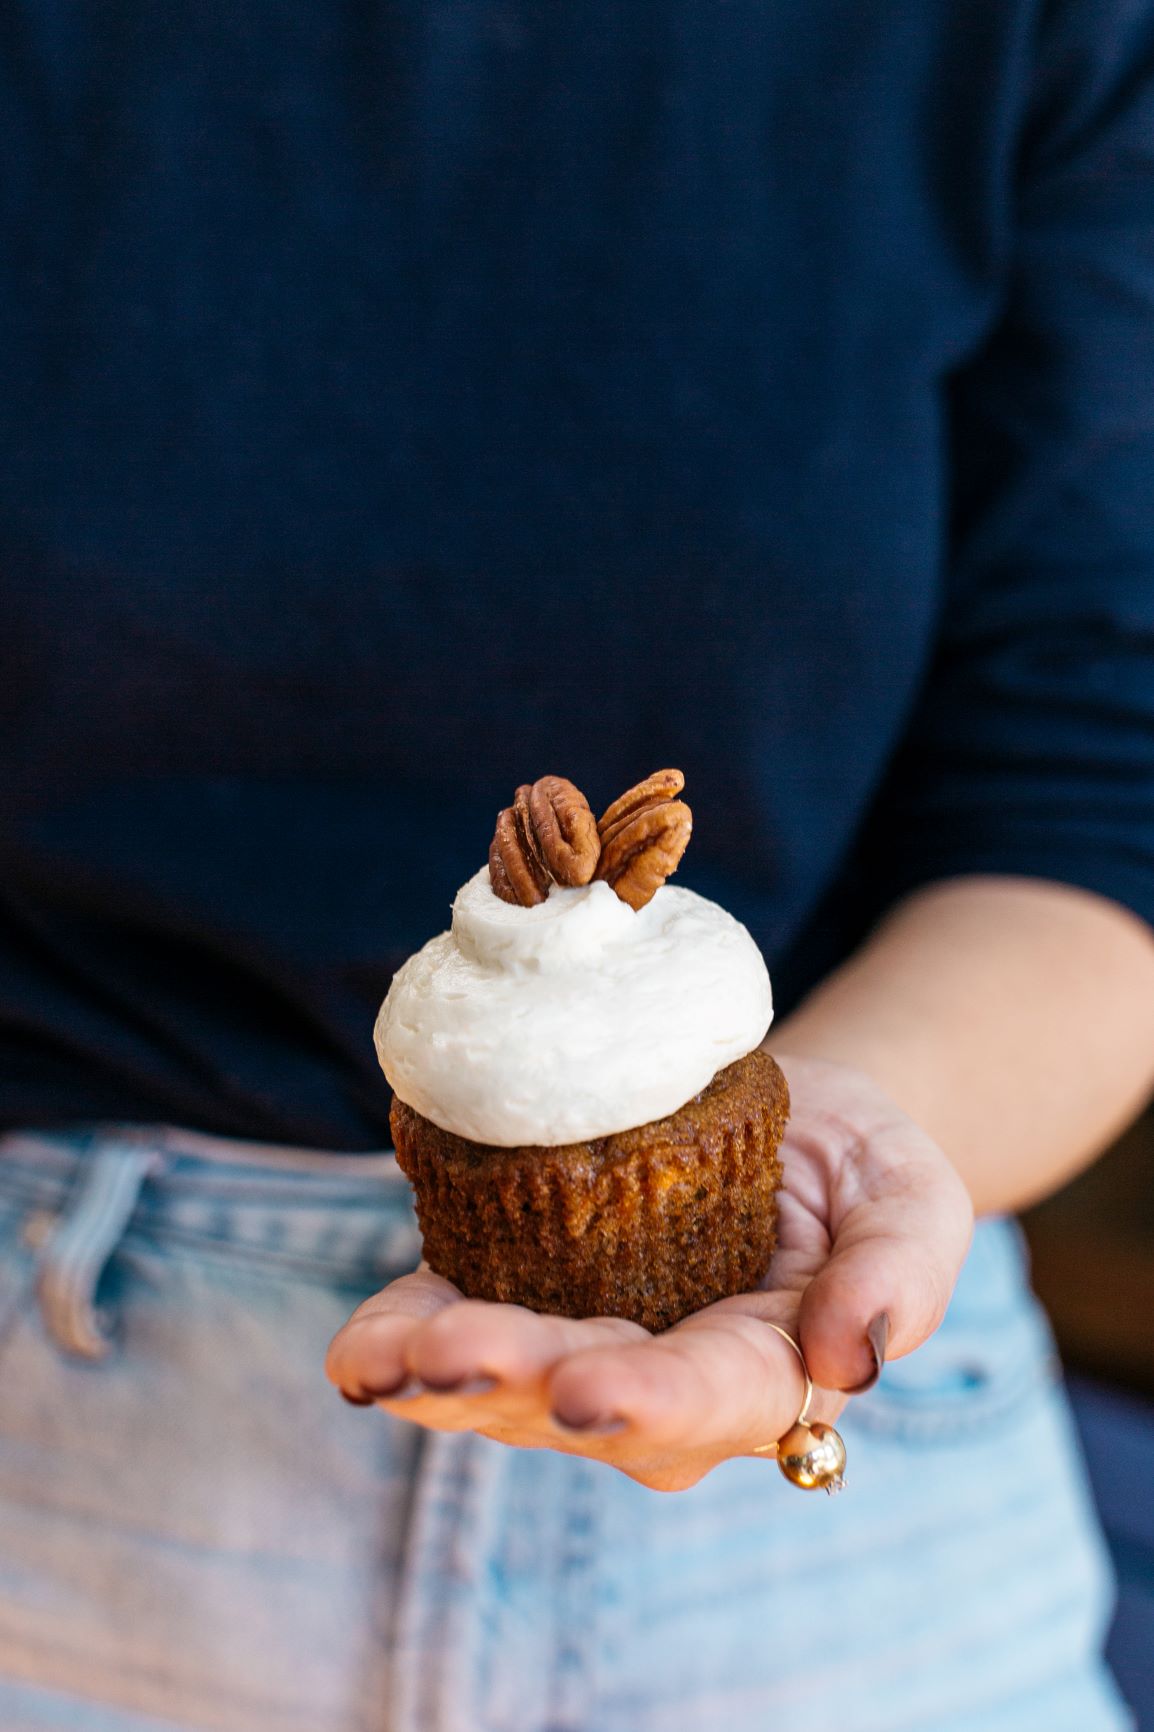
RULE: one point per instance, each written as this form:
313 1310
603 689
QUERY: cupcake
581 1100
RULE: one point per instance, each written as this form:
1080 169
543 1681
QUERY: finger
902 1224
366 1357
506 1343
419 1330
722 1381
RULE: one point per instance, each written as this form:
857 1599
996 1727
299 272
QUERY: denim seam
422 1618
575 1595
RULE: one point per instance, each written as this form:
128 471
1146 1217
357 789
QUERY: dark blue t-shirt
399 401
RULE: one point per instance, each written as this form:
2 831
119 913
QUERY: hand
873 1221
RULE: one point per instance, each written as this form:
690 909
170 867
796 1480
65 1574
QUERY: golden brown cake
650 1223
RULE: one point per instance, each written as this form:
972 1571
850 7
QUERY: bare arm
1012 1019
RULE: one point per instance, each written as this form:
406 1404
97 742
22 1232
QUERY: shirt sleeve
1032 748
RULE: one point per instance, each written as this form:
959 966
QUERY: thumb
902 1221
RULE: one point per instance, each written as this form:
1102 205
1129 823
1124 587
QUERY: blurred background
1093 1256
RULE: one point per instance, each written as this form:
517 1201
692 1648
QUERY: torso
395 417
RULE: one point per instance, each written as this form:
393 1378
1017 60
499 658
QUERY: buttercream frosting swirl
572 1019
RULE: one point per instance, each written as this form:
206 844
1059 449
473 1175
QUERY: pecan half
516 870
565 830
643 836
547 833
662 785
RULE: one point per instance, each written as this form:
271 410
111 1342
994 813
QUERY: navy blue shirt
402 400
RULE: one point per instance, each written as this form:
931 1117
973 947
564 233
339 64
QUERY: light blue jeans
195 1532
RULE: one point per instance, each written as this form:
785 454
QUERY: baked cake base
650 1224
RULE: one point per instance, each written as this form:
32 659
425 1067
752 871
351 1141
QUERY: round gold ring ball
812 1457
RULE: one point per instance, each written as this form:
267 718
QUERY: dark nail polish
461 1386
410 1387
400 1386
597 1425
355 1400
878 1336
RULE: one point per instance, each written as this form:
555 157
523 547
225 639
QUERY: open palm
873 1225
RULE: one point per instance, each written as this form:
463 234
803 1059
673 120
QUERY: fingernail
388 1391
597 1425
410 1387
355 1400
878 1337
403 1390
458 1386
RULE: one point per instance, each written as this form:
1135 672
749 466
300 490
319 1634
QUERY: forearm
1013 1019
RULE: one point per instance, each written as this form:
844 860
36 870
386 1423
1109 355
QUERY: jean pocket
992 1358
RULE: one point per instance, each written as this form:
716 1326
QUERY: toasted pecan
547 833
643 836
516 871
662 785
565 830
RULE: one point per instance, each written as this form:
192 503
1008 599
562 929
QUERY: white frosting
573 1019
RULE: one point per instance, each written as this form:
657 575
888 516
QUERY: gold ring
810 1455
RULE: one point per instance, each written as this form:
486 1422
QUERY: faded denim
196 1533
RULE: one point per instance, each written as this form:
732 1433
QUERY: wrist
901 1063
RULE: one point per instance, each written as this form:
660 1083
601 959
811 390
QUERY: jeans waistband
43 1146
338 1218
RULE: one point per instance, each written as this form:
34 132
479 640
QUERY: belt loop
86 1234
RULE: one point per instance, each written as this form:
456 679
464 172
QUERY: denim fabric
195 1533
